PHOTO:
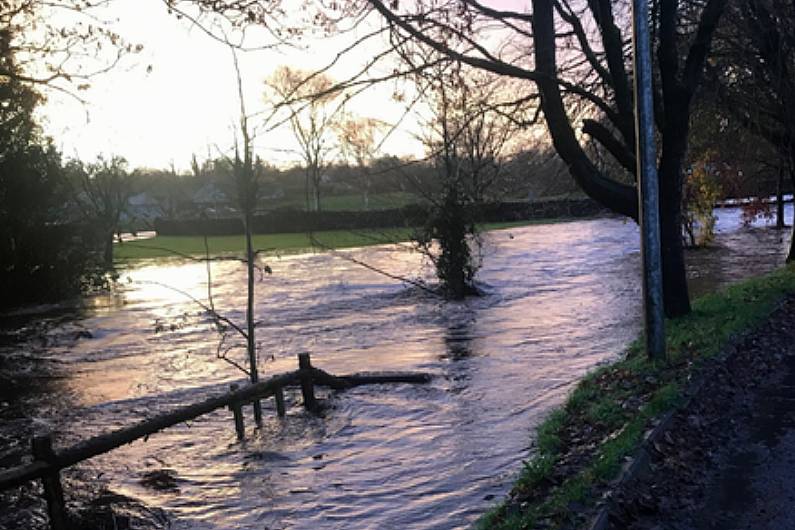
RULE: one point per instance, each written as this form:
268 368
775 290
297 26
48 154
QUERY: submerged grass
582 445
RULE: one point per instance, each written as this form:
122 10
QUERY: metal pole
648 187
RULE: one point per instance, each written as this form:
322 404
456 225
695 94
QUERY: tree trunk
308 187
676 296
780 200
791 253
107 251
251 344
616 196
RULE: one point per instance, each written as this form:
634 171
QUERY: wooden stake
53 492
237 411
307 386
257 412
102 443
279 397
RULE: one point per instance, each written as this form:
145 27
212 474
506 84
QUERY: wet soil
727 460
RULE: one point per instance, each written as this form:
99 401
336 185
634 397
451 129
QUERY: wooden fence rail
106 442
48 463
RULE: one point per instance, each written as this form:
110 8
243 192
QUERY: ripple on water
559 299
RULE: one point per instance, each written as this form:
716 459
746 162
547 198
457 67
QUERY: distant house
141 211
209 194
211 200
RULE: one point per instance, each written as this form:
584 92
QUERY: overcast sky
187 101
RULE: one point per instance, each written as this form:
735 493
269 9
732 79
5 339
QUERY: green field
288 243
174 246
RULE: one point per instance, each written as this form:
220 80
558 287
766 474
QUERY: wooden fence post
53 492
278 395
237 411
307 386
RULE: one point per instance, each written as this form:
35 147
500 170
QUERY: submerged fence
48 463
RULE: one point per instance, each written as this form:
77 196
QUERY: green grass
613 406
174 246
169 246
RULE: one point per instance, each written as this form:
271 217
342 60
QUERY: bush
701 192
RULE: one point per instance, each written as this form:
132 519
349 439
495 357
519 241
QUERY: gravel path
728 460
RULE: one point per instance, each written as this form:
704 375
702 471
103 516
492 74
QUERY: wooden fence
48 463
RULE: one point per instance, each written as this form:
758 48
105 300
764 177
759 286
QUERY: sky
178 96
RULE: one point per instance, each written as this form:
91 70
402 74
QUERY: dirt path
728 460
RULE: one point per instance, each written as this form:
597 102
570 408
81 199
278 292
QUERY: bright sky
187 102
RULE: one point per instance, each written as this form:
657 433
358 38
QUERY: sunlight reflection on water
559 300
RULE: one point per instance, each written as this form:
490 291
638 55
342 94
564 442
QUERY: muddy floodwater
558 300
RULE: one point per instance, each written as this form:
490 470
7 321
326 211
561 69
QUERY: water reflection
559 299
459 335
737 252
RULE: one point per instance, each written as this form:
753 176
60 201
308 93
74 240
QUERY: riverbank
726 458
582 447
562 300
283 243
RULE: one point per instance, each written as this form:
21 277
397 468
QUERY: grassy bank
170 246
582 446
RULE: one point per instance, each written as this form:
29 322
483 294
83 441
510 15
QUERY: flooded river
559 299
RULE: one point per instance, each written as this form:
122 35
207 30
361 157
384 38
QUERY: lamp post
648 187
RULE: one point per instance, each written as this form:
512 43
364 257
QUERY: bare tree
60 45
357 137
314 111
484 136
247 173
467 140
582 70
580 67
